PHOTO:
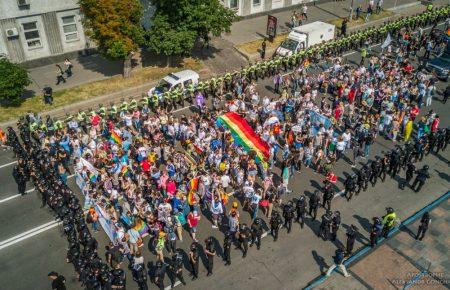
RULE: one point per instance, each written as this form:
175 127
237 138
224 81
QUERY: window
256 2
32 34
234 4
70 27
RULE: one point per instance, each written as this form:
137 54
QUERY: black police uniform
288 214
422 175
212 251
410 169
227 242
335 224
244 237
349 187
301 211
257 231
423 227
193 260
160 273
313 205
324 230
351 236
20 179
140 276
177 268
327 196
275 223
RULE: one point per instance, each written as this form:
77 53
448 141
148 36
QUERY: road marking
28 234
181 109
8 164
28 191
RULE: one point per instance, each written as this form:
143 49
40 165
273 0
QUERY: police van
173 80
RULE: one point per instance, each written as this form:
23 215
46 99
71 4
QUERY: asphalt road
290 263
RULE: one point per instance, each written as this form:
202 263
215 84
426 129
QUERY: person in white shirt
225 180
304 10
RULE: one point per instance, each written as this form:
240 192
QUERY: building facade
250 7
34 29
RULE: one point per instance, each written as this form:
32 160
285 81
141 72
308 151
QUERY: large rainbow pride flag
245 136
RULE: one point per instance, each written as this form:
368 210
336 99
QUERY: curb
366 249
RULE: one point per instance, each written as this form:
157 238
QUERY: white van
184 78
304 36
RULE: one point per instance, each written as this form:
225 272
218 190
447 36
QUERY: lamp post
351 11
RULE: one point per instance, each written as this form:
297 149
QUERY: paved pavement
290 263
403 260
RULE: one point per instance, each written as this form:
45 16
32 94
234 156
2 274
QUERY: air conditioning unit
12 32
23 2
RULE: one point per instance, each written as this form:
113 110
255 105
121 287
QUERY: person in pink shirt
171 188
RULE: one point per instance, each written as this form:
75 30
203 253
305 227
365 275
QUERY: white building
250 7
34 29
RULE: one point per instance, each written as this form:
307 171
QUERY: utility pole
351 11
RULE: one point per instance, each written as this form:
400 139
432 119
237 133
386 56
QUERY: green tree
177 25
114 25
13 80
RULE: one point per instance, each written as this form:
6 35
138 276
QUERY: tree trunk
168 63
127 66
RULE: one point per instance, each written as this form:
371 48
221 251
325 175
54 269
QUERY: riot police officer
366 173
394 162
210 252
20 178
350 185
324 229
376 170
288 215
257 231
351 236
244 238
228 240
421 177
193 260
328 194
140 276
177 268
160 273
375 231
301 210
118 278
410 169
423 227
335 224
275 224
314 204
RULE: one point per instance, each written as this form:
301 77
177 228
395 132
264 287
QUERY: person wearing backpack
423 227
179 222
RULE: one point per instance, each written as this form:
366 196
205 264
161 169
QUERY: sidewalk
253 29
403 261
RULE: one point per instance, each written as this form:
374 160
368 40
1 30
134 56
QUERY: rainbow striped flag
115 138
245 136
124 170
141 227
92 177
193 186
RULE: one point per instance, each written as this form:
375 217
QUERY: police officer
160 273
335 224
394 162
177 268
228 240
244 238
314 204
351 236
288 215
423 227
210 252
388 221
328 194
257 231
140 276
410 169
350 185
118 278
324 229
376 169
421 177
193 260
301 210
366 173
384 163
20 178
275 224
375 231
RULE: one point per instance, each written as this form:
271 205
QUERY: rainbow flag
245 136
193 186
92 177
115 138
141 227
124 170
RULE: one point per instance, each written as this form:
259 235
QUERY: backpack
181 218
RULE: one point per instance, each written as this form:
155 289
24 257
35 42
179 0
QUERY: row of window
33 37
234 4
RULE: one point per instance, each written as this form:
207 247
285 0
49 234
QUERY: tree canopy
13 80
114 25
177 25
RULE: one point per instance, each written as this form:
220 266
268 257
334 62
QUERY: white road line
181 109
28 234
8 164
28 191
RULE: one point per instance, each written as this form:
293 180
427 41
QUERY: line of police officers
225 84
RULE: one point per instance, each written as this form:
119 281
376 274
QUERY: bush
13 80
